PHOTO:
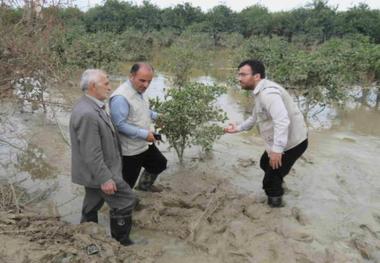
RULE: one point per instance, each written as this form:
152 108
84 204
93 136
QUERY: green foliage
316 22
113 16
181 58
360 20
271 51
190 117
321 74
98 50
231 40
71 16
255 20
181 16
217 21
320 23
106 50
135 46
10 16
25 54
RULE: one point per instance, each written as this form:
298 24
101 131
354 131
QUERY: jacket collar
102 113
130 85
100 103
260 86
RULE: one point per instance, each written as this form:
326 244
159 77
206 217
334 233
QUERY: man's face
247 80
102 88
142 79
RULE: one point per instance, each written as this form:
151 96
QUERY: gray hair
90 76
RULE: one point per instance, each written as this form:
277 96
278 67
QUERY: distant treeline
315 50
316 22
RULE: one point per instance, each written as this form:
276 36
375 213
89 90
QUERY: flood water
344 146
45 162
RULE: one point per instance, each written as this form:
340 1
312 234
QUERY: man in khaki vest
133 118
281 125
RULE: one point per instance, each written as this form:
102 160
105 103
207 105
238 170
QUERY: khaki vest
297 128
139 116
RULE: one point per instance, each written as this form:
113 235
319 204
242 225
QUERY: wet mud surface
211 210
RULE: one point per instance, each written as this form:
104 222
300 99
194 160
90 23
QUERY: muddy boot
275 201
138 206
120 229
90 217
146 182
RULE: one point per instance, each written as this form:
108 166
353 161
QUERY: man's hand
231 128
109 187
150 137
275 160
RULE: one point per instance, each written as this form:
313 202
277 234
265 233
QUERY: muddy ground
211 210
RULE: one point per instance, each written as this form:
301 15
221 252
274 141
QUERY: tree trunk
363 98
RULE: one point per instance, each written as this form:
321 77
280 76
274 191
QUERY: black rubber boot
146 182
90 217
120 229
275 201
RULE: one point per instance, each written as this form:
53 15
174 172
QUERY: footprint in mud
299 216
246 162
303 237
290 191
362 247
369 230
306 159
340 180
376 217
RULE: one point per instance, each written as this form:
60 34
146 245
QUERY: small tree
190 116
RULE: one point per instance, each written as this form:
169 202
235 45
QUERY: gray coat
95 149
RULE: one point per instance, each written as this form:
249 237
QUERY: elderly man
96 158
281 125
131 114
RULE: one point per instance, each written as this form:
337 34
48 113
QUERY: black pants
272 182
152 160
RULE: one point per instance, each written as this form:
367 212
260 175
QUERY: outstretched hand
231 128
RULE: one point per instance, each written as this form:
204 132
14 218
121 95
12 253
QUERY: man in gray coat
96 158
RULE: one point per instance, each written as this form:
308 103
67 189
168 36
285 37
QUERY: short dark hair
137 66
256 65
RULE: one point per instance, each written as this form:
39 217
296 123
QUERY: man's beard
246 87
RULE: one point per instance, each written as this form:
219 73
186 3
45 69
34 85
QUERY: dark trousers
121 203
273 178
152 160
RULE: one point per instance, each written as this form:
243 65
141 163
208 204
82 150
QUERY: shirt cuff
109 180
277 149
142 133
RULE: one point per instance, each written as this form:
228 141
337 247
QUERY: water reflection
47 147
33 161
362 120
238 105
